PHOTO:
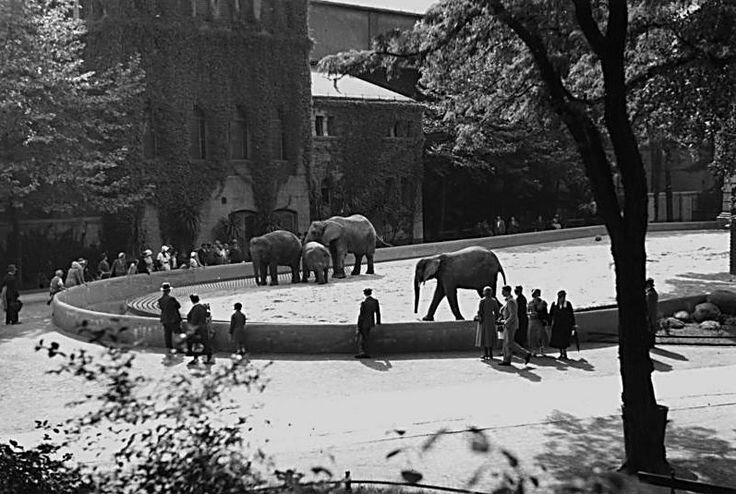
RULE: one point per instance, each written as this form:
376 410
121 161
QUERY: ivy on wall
367 165
219 62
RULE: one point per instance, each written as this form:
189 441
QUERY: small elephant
342 235
315 257
277 248
471 267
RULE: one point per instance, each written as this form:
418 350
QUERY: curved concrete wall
81 305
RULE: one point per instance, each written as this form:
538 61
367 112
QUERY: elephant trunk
416 294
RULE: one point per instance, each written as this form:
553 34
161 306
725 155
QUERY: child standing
237 328
56 285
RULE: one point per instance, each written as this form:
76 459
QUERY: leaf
319 470
475 478
393 453
400 432
411 476
479 442
513 460
429 443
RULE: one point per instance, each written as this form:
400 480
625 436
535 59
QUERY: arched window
197 135
286 219
239 137
326 191
278 144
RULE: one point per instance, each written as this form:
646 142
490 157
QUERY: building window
286 219
239 137
198 135
278 141
149 138
326 191
319 125
406 193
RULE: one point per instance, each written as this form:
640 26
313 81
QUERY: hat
367 291
193 254
518 288
561 292
11 268
487 289
164 248
194 297
536 291
649 282
121 254
148 252
165 286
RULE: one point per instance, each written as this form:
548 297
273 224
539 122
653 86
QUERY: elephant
277 248
471 267
315 257
342 235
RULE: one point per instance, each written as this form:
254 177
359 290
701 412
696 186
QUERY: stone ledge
73 306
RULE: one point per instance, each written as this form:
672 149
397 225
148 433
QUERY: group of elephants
327 243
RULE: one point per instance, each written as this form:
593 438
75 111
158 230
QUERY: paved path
340 413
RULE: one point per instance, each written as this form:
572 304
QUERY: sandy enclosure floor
583 267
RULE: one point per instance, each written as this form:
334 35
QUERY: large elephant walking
277 248
341 235
472 268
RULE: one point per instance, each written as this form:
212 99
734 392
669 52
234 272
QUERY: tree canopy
505 63
68 136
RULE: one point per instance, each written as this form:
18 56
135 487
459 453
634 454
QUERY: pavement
558 418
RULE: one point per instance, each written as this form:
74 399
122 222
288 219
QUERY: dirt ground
583 267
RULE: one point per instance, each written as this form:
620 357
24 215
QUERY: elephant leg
325 275
369 257
273 269
338 260
261 275
295 272
320 275
452 299
439 294
356 266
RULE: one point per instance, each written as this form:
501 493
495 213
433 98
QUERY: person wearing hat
369 316
119 266
562 320
510 321
164 259
170 316
538 316
10 296
652 313
194 260
521 334
145 264
197 319
485 330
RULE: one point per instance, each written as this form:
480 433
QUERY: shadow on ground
576 447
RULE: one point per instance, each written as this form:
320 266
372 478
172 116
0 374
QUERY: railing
648 478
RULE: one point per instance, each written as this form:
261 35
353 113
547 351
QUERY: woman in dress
538 319
563 324
485 332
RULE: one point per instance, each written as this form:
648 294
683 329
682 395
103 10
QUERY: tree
574 59
68 136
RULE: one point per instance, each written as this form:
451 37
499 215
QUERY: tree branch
584 15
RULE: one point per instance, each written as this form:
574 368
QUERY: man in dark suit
170 317
370 315
198 330
11 295
521 333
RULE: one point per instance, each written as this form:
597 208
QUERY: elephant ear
431 268
332 232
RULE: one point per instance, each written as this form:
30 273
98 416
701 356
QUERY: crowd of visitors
521 324
503 227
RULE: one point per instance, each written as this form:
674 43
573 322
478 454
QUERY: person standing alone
11 296
652 312
521 334
510 320
369 316
170 316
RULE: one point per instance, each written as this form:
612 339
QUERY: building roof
416 7
351 88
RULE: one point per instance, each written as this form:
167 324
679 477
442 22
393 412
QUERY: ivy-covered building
229 127
367 156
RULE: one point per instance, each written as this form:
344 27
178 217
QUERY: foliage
38 470
66 132
184 435
217 65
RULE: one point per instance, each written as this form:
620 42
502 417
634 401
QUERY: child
56 285
237 328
